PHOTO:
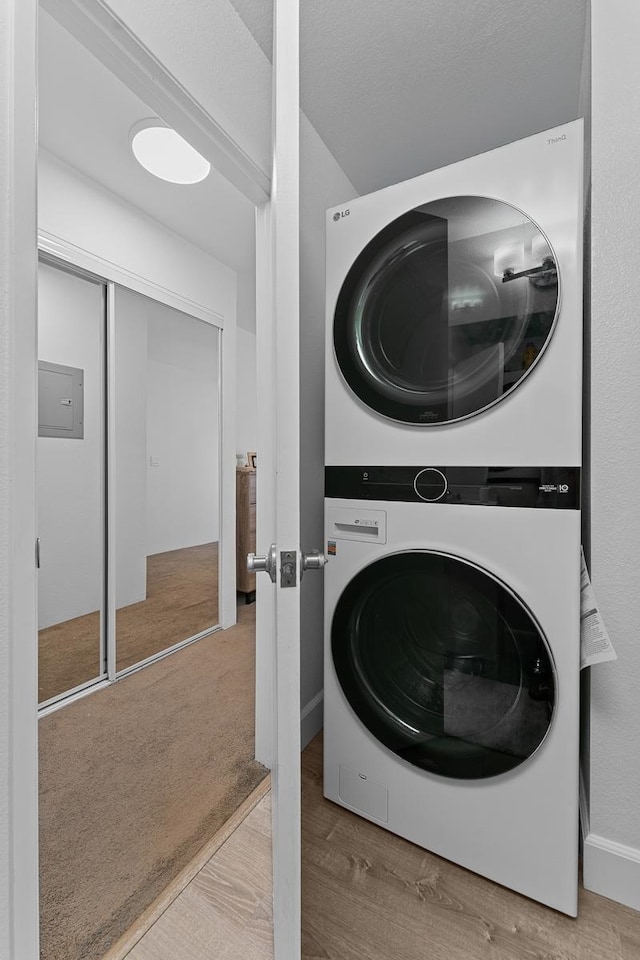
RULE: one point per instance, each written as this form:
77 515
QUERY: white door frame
108 38
18 620
266 489
282 400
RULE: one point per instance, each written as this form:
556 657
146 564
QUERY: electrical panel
60 401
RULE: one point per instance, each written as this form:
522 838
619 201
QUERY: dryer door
446 310
444 664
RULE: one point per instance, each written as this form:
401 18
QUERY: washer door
443 664
446 310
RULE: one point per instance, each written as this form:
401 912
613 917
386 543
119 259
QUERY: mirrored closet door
167 468
71 481
128 480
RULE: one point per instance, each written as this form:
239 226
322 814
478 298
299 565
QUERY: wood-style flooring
369 895
225 912
182 601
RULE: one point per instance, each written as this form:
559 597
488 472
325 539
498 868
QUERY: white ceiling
394 88
85 115
399 87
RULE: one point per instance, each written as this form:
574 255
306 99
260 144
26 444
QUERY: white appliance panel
540 420
520 828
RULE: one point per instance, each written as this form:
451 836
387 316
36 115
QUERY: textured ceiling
393 88
398 88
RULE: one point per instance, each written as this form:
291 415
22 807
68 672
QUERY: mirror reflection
167 477
70 450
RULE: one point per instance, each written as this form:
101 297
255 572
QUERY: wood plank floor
369 895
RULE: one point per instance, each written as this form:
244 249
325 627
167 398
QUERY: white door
278 487
279 471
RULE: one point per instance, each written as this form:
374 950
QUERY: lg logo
341 214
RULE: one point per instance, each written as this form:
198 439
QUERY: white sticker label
595 643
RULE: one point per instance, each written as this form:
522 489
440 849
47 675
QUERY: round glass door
443 664
446 310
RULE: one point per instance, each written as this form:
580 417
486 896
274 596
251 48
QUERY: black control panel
550 488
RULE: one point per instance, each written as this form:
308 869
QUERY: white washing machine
451 698
454 312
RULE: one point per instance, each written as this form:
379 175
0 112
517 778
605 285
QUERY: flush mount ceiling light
165 154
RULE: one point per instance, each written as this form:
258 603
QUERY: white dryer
451 698
454 312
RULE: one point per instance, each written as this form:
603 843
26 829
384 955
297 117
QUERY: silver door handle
269 563
313 560
37 553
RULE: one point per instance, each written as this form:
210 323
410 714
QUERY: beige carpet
134 779
182 600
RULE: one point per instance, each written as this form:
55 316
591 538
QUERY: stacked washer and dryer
452 510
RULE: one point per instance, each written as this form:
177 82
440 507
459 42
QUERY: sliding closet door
71 464
166 470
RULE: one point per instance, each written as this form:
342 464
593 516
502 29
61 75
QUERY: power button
430 484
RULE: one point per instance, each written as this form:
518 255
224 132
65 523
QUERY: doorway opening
141 286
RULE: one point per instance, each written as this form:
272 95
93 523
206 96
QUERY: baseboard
311 717
612 870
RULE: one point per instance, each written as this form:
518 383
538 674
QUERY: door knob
313 560
269 563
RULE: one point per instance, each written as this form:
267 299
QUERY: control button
430 484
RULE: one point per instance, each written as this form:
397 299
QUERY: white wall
612 848
182 431
71 472
78 211
166 407
322 185
81 212
584 110
246 394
